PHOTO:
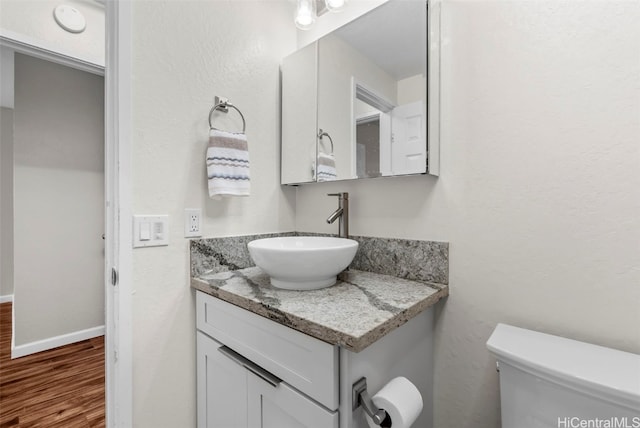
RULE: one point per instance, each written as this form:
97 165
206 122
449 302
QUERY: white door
408 143
281 406
385 144
221 387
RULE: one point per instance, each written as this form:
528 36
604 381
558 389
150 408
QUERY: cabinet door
282 406
221 387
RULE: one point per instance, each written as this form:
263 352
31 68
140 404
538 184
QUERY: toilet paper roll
401 400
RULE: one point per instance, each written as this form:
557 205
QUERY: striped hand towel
228 164
326 167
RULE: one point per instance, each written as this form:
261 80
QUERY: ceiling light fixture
335 5
305 14
308 10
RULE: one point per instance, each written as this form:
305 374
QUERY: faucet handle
343 195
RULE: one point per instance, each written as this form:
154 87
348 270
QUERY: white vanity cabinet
221 387
252 372
283 406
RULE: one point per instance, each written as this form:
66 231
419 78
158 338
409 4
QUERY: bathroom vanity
269 357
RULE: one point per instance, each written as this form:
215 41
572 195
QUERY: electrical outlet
192 222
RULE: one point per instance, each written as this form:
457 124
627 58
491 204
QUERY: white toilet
551 382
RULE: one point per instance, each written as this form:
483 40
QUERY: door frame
118 302
118 233
42 49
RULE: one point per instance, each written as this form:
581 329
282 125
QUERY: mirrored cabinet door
299 112
371 103
352 123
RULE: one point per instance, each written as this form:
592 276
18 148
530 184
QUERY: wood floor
62 387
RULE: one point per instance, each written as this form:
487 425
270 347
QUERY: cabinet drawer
282 406
303 362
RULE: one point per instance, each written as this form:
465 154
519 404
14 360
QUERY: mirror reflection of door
372 116
408 147
368 146
390 140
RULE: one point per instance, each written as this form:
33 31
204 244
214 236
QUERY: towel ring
222 107
322 133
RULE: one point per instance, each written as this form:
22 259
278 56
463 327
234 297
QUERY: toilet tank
551 382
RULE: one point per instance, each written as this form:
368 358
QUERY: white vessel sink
303 262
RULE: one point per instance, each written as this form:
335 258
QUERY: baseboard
6 299
54 342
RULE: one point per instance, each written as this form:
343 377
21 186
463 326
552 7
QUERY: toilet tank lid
607 373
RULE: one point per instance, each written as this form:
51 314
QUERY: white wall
539 195
184 53
33 21
58 200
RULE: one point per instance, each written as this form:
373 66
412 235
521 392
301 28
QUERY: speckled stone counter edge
326 334
423 261
426 261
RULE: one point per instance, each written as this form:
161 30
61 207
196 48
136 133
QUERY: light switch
150 230
145 231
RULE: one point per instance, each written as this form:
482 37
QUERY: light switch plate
150 230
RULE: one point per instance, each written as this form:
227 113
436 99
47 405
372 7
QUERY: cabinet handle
271 379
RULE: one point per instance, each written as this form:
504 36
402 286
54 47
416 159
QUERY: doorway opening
118 231
53 218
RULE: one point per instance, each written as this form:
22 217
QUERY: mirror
354 103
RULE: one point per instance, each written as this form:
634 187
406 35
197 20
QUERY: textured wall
540 188
184 53
34 19
58 200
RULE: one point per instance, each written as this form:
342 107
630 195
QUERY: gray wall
6 201
58 200
6 173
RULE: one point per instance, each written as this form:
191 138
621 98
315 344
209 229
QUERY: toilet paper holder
360 397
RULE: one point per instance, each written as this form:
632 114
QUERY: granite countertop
360 309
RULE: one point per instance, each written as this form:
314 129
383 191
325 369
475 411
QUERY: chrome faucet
342 213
